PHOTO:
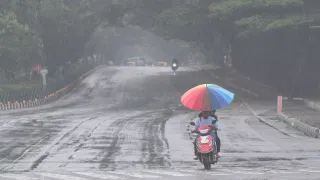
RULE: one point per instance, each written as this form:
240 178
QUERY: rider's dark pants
195 146
218 142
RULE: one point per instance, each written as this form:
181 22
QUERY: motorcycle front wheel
206 160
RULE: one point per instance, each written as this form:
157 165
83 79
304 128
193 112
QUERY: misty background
118 44
275 43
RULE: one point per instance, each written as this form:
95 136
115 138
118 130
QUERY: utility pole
41 52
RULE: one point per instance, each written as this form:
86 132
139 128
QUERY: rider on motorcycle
213 114
206 120
175 61
174 66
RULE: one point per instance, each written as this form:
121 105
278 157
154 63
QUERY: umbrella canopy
206 97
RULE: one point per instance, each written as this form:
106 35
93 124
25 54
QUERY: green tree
68 25
62 26
11 33
270 35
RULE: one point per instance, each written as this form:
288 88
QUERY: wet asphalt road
127 123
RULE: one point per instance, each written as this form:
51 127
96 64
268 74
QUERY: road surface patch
149 174
98 175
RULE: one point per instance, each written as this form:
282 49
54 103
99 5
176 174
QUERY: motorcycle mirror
192 123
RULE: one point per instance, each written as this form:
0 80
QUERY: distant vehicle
161 63
174 67
135 61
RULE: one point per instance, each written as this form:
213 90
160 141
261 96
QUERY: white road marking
142 174
309 170
242 89
59 176
96 175
240 172
206 172
169 173
283 172
217 174
212 74
17 177
132 174
189 171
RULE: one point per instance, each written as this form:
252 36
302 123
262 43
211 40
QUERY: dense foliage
49 32
273 40
270 35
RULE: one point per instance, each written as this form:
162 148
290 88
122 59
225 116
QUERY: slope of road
127 123
94 126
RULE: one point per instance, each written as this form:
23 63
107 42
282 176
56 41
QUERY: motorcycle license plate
204 141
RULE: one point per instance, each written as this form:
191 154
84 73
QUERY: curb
75 83
52 97
89 72
302 127
312 104
263 120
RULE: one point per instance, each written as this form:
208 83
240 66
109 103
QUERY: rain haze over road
127 122
124 122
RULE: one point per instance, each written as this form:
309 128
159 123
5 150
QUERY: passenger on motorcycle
206 120
212 114
174 61
218 141
217 137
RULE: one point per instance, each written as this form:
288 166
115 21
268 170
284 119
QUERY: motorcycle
174 67
206 146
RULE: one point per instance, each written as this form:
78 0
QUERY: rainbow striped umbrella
206 97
